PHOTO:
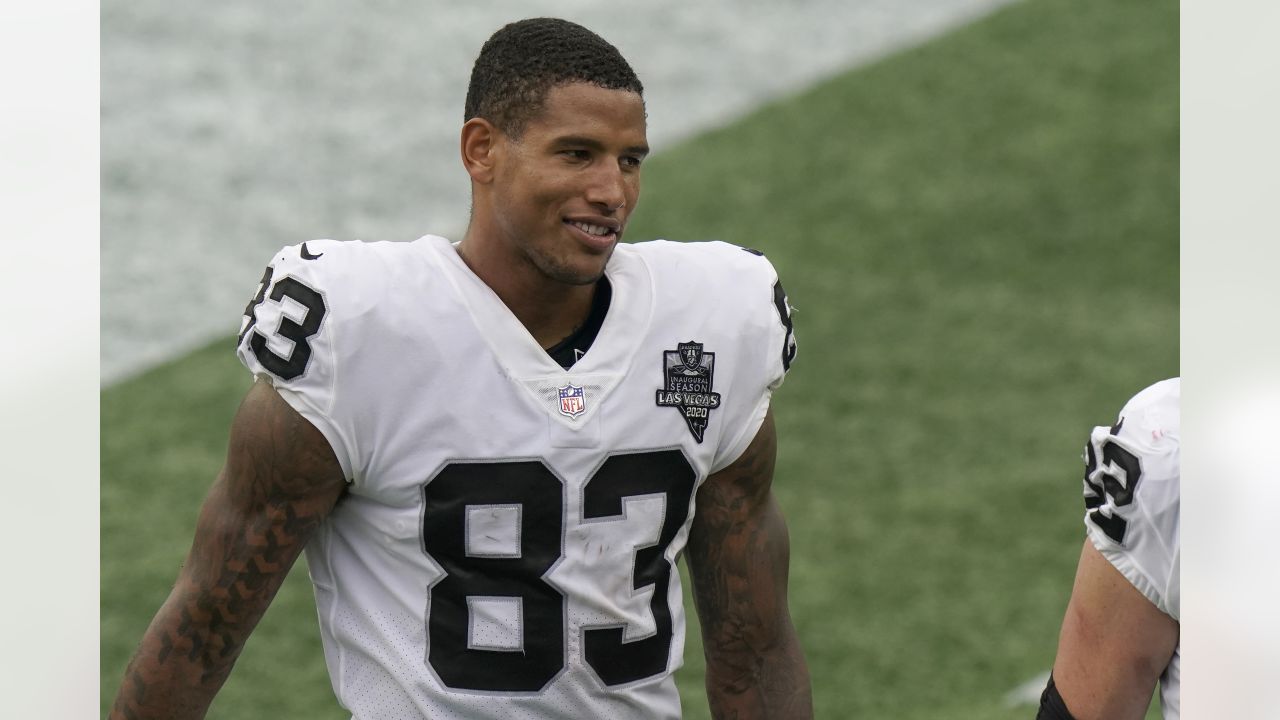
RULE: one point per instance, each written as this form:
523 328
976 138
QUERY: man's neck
549 310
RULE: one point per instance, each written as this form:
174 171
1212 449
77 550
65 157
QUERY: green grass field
980 237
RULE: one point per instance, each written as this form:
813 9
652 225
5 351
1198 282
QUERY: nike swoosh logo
1115 429
306 255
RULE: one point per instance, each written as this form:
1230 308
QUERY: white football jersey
1131 491
507 547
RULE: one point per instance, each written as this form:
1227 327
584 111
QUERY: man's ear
479 145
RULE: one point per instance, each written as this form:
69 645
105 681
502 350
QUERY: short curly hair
525 59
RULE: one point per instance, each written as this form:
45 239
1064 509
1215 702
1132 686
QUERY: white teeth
590 229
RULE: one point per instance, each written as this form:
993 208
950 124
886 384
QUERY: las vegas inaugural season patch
688 371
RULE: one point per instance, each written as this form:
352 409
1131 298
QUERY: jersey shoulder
314 309
1153 415
347 265
738 284
711 262
352 277
314 292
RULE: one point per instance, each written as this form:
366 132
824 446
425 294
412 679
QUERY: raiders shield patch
688 373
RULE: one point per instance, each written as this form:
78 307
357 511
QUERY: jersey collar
615 346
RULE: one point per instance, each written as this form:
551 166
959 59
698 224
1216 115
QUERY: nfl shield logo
572 402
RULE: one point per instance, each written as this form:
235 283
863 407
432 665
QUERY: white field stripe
227 134
1028 693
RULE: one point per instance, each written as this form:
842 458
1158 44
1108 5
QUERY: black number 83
529 491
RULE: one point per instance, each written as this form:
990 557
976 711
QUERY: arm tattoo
280 481
738 555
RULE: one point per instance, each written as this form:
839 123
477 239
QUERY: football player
1120 634
495 451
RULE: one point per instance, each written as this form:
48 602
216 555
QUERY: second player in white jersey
1132 487
507 547
1122 627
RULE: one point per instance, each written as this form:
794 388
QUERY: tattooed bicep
738 550
280 481
742 487
276 455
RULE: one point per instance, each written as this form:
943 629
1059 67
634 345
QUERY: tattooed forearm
738 555
280 481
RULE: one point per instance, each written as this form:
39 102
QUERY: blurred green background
980 239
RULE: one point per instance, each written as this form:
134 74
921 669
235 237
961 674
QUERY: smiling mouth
599 231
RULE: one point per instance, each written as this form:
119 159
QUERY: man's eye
579 155
631 161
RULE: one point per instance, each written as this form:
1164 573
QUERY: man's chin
569 278
587 271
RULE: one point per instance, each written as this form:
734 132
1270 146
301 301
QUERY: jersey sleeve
766 338
288 336
1131 491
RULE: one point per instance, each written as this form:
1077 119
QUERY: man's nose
608 188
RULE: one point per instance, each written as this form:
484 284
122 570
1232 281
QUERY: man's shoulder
1144 443
326 256
726 295
358 271
309 288
1157 407
709 264
709 251
1149 426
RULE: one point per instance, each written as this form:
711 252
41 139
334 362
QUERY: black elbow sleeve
1051 705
